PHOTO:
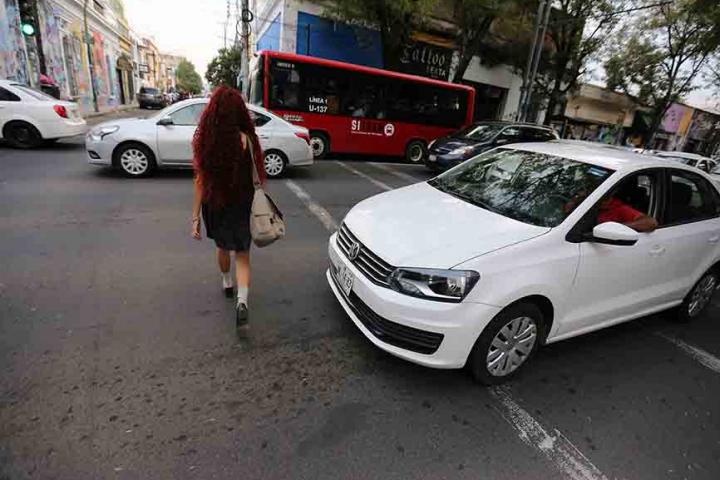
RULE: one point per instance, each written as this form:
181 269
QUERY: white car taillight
60 110
304 136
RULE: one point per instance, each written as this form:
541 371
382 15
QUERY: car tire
513 335
275 163
22 135
415 151
134 160
320 145
699 297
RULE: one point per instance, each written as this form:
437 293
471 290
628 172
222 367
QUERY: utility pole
536 60
246 17
38 38
90 56
528 66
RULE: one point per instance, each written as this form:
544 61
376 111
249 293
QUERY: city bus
356 109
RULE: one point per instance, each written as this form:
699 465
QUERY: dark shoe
241 315
229 292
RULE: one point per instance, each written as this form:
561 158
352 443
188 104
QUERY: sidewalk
124 111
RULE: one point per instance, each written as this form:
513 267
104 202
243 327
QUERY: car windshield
530 187
482 132
36 94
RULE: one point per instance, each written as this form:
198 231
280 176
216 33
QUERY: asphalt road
120 360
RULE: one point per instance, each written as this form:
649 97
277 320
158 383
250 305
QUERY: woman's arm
197 205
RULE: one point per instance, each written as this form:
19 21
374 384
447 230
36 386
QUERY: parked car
149 97
446 152
489 261
29 117
693 159
138 146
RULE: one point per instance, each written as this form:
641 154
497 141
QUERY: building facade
301 27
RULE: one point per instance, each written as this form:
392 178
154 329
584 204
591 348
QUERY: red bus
356 109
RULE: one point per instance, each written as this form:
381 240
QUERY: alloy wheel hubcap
134 161
317 145
702 295
274 164
511 346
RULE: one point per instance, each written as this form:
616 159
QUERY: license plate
432 158
345 279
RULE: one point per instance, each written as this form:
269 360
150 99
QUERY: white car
693 159
29 117
505 253
137 146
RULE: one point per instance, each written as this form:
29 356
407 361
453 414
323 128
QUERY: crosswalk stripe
387 168
367 177
703 357
570 461
315 208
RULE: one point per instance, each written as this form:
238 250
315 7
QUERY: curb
109 112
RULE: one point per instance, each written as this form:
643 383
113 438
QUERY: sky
191 28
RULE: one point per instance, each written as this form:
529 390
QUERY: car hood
420 226
451 143
120 122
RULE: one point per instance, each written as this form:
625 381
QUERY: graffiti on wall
13 60
51 43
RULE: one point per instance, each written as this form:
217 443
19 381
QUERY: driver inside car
613 209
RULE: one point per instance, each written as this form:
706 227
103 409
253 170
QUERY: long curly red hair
221 165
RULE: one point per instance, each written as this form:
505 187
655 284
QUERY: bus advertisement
356 109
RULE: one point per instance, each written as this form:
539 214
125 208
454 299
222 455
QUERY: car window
530 187
150 91
511 134
478 132
8 96
637 191
690 198
36 94
530 134
258 118
189 115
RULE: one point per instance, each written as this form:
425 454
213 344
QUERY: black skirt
229 226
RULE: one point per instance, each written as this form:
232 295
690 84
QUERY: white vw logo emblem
354 251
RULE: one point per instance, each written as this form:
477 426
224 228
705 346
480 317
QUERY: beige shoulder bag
266 221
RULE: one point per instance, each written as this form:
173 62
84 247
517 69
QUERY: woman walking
224 147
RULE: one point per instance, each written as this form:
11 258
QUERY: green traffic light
27 29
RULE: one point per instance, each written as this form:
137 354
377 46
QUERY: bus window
285 92
255 96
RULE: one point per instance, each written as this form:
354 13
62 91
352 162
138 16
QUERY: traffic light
28 17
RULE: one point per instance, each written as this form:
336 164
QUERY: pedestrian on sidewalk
224 187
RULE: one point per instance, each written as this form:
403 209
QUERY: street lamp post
90 56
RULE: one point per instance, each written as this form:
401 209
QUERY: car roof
505 123
688 155
607 156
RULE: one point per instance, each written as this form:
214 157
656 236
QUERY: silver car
138 146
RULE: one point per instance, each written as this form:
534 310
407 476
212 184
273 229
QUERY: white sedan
29 117
138 146
515 249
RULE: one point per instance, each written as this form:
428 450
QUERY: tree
395 19
662 57
187 78
224 68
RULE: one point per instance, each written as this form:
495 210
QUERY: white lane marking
559 450
315 208
392 171
703 357
367 177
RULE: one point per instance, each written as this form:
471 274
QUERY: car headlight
462 150
433 284
102 132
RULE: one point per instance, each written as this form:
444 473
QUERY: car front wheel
135 160
506 344
699 297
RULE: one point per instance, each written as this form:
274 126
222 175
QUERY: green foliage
663 54
395 19
224 68
187 78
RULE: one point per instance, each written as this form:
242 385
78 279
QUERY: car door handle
657 250
714 239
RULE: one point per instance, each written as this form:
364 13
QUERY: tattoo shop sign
424 59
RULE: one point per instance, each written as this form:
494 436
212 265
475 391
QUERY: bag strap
255 176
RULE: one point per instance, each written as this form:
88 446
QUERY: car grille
392 333
372 266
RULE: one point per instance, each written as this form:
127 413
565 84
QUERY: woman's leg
242 271
223 259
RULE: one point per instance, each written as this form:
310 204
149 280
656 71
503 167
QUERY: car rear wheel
415 151
135 160
22 135
699 297
506 344
275 163
320 144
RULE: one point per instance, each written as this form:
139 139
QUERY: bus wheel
415 151
320 144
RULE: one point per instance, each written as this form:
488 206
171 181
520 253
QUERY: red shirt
617 211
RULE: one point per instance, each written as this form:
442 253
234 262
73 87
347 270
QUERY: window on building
98 5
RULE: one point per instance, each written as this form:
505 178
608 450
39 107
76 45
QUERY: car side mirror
613 233
166 121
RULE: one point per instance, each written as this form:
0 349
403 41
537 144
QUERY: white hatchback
138 146
29 117
504 253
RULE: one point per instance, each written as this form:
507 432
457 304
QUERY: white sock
226 279
242 295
